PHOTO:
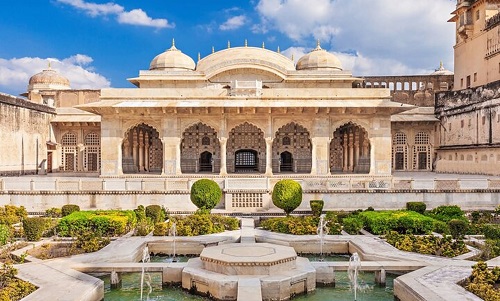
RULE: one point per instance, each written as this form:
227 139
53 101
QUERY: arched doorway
286 162
200 149
246 149
142 150
92 152
399 151
206 161
246 161
350 150
293 139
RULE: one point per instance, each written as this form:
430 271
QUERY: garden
442 231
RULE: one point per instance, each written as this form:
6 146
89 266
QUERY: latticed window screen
247 200
422 138
92 153
399 138
399 151
69 154
422 152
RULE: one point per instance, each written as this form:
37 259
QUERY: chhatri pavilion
245 110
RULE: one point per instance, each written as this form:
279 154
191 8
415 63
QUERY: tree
205 194
287 195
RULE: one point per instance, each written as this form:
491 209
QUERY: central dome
319 59
172 59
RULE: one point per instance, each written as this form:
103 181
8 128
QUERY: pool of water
168 258
131 290
328 257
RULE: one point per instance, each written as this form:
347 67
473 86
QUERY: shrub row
105 222
10 215
427 244
301 225
402 221
484 282
197 224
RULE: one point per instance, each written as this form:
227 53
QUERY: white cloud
233 23
15 73
133 17
413 35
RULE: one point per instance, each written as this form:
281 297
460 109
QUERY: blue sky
102 43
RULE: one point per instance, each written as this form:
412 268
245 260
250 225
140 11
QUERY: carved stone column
223 149
269 149
141 151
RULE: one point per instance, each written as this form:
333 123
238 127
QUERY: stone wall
470 130
24 132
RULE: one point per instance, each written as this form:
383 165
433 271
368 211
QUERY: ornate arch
142 150
350 149
199 140
294 140
246 140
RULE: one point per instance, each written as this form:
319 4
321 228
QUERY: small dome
317 59
172 59
48 79
442 71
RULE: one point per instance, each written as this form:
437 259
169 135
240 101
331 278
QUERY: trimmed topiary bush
446 213
316 207
287 195
205 194
33 228
416 206
68 209
458 228
106 222
155 213
197 224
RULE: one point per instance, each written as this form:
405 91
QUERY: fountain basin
248 259
221 270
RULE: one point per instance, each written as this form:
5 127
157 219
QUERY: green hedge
12 288
402 221
352 225
416 206
197 224
491 231
446 213
68 209
34 227
105 222
287 195
5 234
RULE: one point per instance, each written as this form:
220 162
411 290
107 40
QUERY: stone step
249 289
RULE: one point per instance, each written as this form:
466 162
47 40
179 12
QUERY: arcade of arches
202 150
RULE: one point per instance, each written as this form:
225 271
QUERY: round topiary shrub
287 195
416 206
458 228
68 209
205 194
33 228
316 207
155 213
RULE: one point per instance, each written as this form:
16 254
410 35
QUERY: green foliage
428 244
416 206
10 215
106 222
316 207
287 195
53 212
491 249
5 234
140 213
12 288
446 213
370 208
402 221
440 227
90 241
197 224
458 228
491 231
68 209
301 225
144 227
205 194
481 217
34 228
155 213
484 282
352 225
